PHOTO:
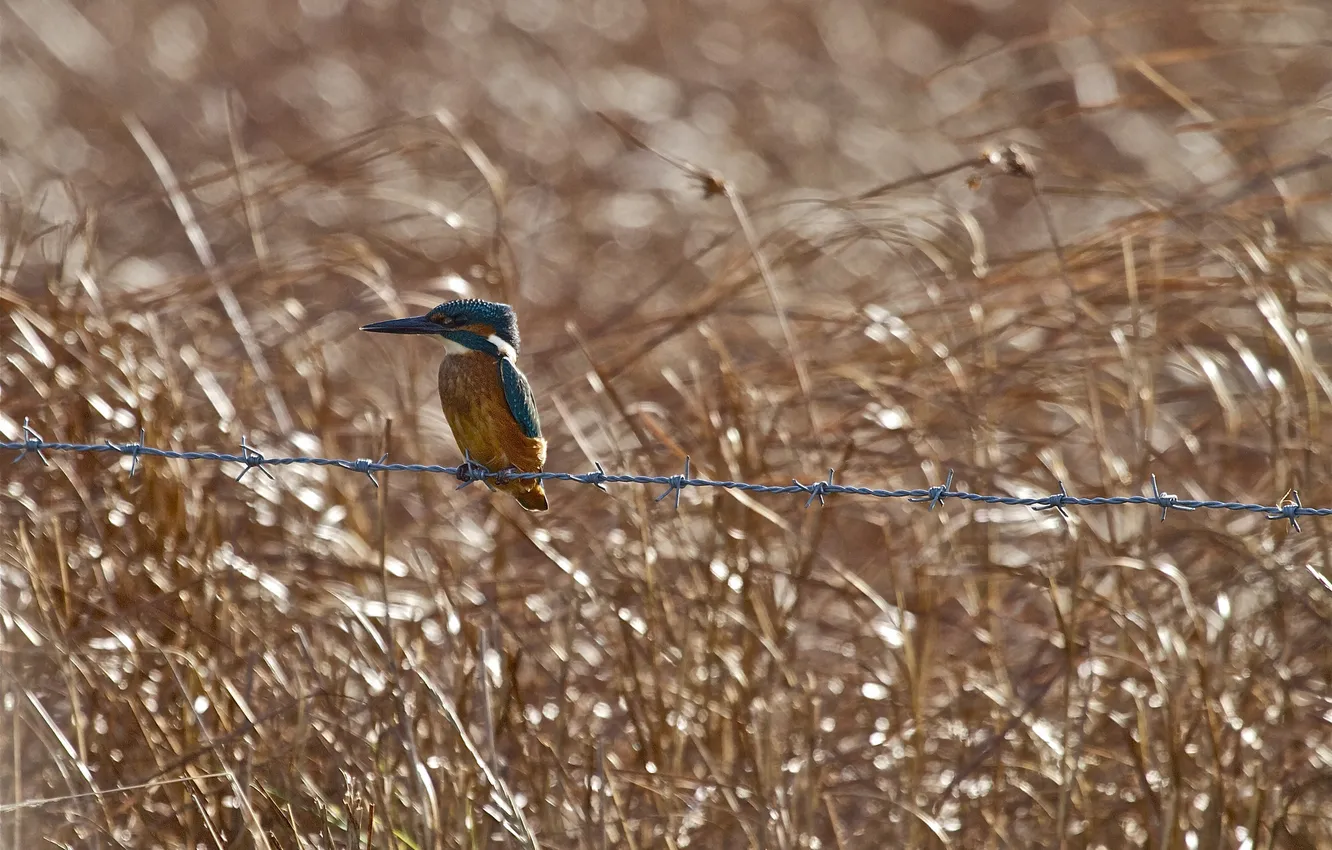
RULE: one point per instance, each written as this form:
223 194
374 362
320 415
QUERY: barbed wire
1289 508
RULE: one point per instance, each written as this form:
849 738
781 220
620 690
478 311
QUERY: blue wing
522 404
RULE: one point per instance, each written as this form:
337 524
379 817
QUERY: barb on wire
367 466
937 493
469 471
817 490
252 460
1056 501
1167 501
131 449
1288 508
676 483
32 442
597 479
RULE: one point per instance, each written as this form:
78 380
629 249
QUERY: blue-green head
476 325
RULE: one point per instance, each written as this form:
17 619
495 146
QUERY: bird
486 399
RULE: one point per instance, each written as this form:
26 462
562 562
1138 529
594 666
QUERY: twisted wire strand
1290 508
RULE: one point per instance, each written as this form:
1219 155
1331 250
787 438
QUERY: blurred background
774 237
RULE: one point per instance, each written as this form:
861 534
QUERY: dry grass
190 661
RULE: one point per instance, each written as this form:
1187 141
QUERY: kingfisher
486 399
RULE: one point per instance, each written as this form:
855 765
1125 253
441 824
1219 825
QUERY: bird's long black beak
411 325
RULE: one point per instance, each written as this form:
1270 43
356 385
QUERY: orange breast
483 426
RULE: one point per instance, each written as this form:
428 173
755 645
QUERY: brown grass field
786 254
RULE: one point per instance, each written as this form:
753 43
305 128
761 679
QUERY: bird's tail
530 494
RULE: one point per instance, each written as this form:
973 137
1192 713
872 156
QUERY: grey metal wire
468 472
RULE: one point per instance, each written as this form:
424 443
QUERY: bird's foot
469 471
505 475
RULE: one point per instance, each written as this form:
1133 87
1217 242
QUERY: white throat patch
451 347
506 351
